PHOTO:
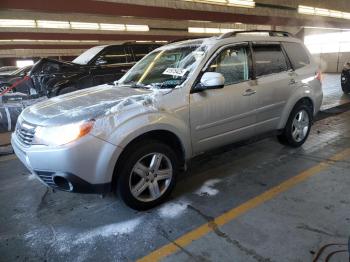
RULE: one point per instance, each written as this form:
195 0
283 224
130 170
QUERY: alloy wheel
150 177
300 126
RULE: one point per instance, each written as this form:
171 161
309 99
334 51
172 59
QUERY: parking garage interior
253 199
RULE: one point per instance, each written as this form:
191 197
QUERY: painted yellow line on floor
243 208
7 158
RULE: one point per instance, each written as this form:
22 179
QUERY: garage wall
332 62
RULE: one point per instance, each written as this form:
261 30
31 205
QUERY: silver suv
134 136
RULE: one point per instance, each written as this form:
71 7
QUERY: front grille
25 133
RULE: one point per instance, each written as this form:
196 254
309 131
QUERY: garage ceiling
166 20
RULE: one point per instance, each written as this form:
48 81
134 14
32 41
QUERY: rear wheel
148 174
298 126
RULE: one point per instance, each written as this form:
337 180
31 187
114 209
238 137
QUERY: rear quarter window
297 55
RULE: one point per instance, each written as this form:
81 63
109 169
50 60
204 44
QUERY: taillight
319 76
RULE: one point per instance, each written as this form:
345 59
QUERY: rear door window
297 55
113 55
269 59
141 50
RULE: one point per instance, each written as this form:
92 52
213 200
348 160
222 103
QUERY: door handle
249 92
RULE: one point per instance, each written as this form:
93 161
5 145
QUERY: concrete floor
271 203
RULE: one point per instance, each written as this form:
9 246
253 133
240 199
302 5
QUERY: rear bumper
84 166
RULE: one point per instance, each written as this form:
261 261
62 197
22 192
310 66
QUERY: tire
298 126
345 83
66 90
137 183
346 89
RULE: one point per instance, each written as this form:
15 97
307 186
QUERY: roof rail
269 32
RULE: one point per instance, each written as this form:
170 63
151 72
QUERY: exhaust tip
63 183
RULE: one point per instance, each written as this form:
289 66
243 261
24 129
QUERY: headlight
61 135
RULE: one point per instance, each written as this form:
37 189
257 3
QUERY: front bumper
83 166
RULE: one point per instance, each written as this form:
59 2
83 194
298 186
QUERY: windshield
23 70
165 68
88 55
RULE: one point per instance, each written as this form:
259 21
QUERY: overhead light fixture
48 41
53 24
89 41
210 30
242 3
71 25
17 23
322 12
309 10
113 27
23 63
196 30
238 3
69 41
84 26
140 28
199 21
336 14
213 1
23 40
327 28
161 41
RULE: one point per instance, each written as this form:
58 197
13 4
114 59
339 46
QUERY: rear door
300 61
274 78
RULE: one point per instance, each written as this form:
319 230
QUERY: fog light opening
63 183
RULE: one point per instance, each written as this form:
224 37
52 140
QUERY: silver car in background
181 100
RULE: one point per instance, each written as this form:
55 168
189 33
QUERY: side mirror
211 80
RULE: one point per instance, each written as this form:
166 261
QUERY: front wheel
148 174
298 126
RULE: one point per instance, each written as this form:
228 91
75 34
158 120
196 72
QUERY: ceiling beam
43 46
122 9
101 37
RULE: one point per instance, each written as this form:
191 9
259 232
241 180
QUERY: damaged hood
88 104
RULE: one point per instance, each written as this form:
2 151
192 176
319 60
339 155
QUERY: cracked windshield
166 68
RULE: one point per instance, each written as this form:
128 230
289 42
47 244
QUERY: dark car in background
98 65
345 78
50 77
9 82
5 70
